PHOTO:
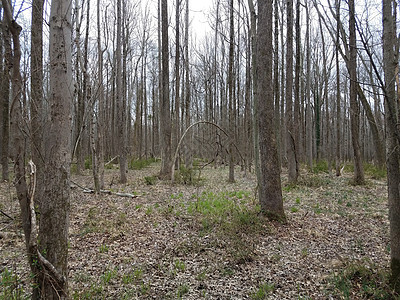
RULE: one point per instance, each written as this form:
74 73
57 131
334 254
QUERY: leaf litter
180 241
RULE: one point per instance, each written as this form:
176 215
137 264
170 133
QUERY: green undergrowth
361 278
231 216
11 286
138 164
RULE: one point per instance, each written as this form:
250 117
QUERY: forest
147 154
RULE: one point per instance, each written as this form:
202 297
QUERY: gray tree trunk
165 112
392 139
270 192
354 105
290 134
231 83
120 103
54 220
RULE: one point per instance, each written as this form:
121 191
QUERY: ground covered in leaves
208 240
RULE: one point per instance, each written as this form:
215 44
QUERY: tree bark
392 142
231 83
165 113
354 105
270 192
338 109
121 107
5 99
290 134
54 221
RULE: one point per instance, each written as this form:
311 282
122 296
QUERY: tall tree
165 113
393 137
338 109
5 99
354 104
188 144
54 219
309 127
177 76
37 113
120 99
290 137
231 83
270 192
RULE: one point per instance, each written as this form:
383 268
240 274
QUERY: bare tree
290 134
270 192
165 113
354 104
5 99
231 83
54 219
390 60
120 103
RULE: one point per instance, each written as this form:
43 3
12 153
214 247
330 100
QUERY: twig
3 213
112 159
91 191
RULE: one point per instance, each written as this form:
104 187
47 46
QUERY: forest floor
210 241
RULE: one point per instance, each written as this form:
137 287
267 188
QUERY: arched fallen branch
183 136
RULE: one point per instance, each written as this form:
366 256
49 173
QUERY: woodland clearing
208 239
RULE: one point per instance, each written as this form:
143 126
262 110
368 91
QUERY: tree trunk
165 113
5 99
188 144
231 83
296 117
338 139
392 141
309 124
270 192
253 20
290 134
120 99
177 78
54 221
354 105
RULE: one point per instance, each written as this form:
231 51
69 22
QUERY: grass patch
374 172
363 279
10 286
262 291
231 216
320 166
183 289
138 164
188 176
150 180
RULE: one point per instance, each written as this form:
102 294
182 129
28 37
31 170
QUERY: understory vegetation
210 240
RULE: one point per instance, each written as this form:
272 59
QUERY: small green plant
103 248
294 209
317 209
188 176
179 265
202 275
10 286
183 289
297 200
262 292
109 275
149 211
88 163
150 180
144 288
